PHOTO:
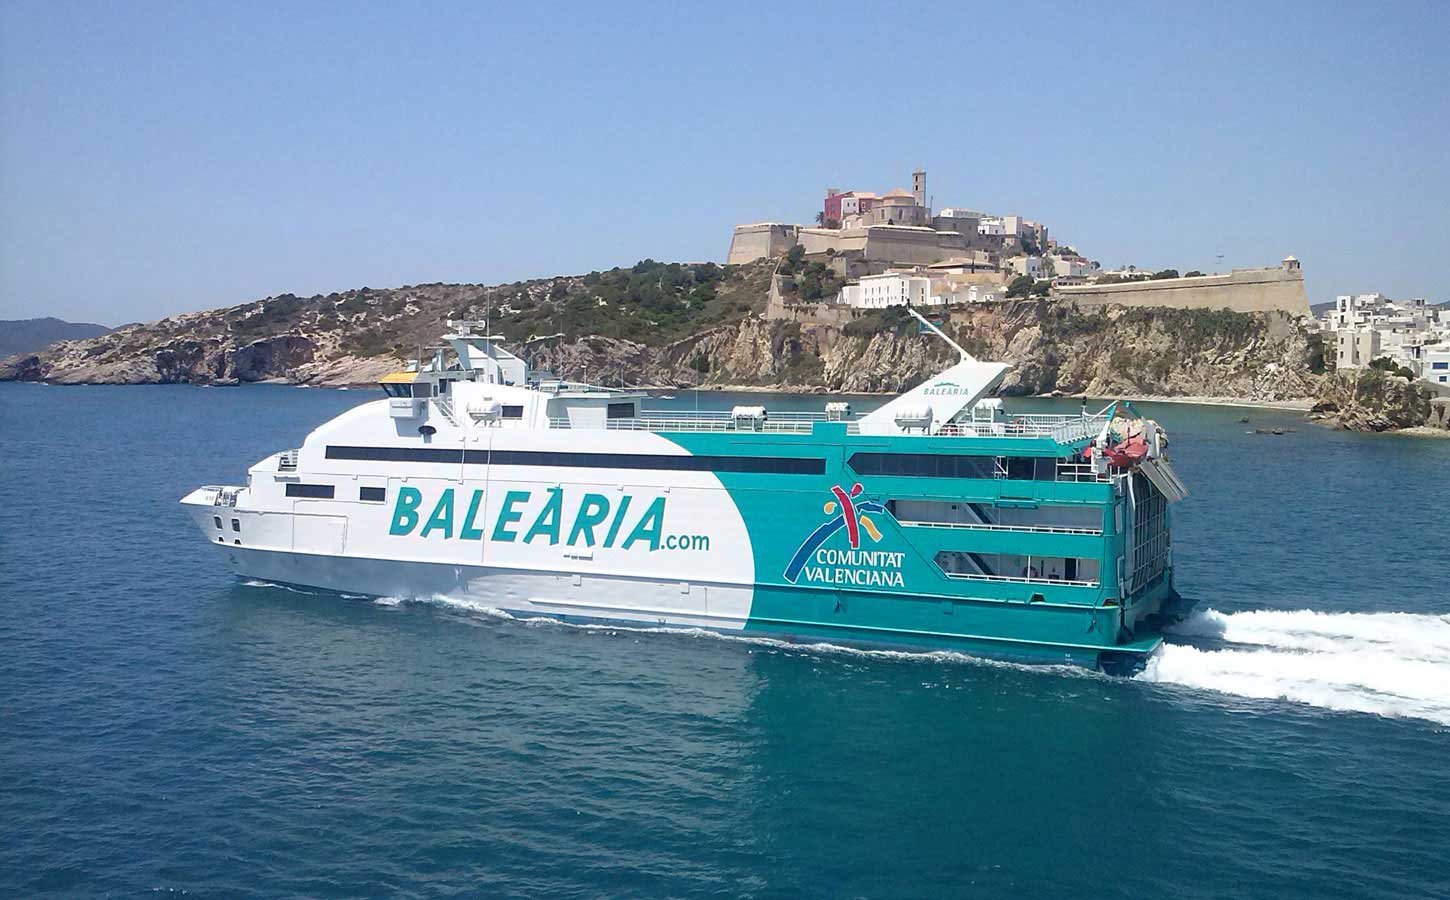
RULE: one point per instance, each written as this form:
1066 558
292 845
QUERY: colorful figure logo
845 513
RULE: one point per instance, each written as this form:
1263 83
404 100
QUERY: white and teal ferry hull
820 536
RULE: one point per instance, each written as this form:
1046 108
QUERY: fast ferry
937 521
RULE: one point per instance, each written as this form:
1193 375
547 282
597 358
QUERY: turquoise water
164 728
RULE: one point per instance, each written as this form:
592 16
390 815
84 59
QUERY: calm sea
166 729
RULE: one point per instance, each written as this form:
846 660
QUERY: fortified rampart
1270 289
905 245
762 240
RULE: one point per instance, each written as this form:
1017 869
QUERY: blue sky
158 157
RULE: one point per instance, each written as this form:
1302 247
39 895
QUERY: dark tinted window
217 520
621 411
762 464
372 494
314 491
396 454
923 465
512 412
236 525
945 465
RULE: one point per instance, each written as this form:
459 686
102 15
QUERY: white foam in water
1390 664
948 656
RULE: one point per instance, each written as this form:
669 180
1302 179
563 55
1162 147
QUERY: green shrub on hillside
650 302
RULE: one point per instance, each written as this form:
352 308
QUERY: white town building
1435 363
1410 333
1025 265
1073 267
889 289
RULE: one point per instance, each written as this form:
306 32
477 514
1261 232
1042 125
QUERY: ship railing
445 406
223 495
963 576
1064 429
287 461
712 420
1080 471
972 526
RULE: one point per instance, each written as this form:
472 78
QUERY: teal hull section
882 584
1031 632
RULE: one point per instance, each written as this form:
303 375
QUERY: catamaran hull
643 602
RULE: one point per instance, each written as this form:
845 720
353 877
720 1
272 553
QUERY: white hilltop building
888 289
914 288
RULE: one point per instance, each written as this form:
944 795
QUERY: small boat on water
940 520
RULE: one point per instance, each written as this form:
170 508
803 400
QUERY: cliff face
1371 400
1260 356
700 325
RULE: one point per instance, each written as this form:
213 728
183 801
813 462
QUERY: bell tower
918 187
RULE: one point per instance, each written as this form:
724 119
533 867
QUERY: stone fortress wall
1270 289
760 241
906 245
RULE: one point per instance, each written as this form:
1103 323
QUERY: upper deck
1061 429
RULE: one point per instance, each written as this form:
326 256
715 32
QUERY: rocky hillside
685 325
354 336
1372 400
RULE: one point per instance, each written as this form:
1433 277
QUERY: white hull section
532 541
563 595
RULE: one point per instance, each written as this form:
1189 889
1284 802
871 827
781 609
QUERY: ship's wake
1390 664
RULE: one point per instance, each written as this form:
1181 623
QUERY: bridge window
310 491
511 412
407 389
621 411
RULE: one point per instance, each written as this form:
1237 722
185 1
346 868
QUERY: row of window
944 465
652 461
236 527
920 465
1018 567
328 492
1084 517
